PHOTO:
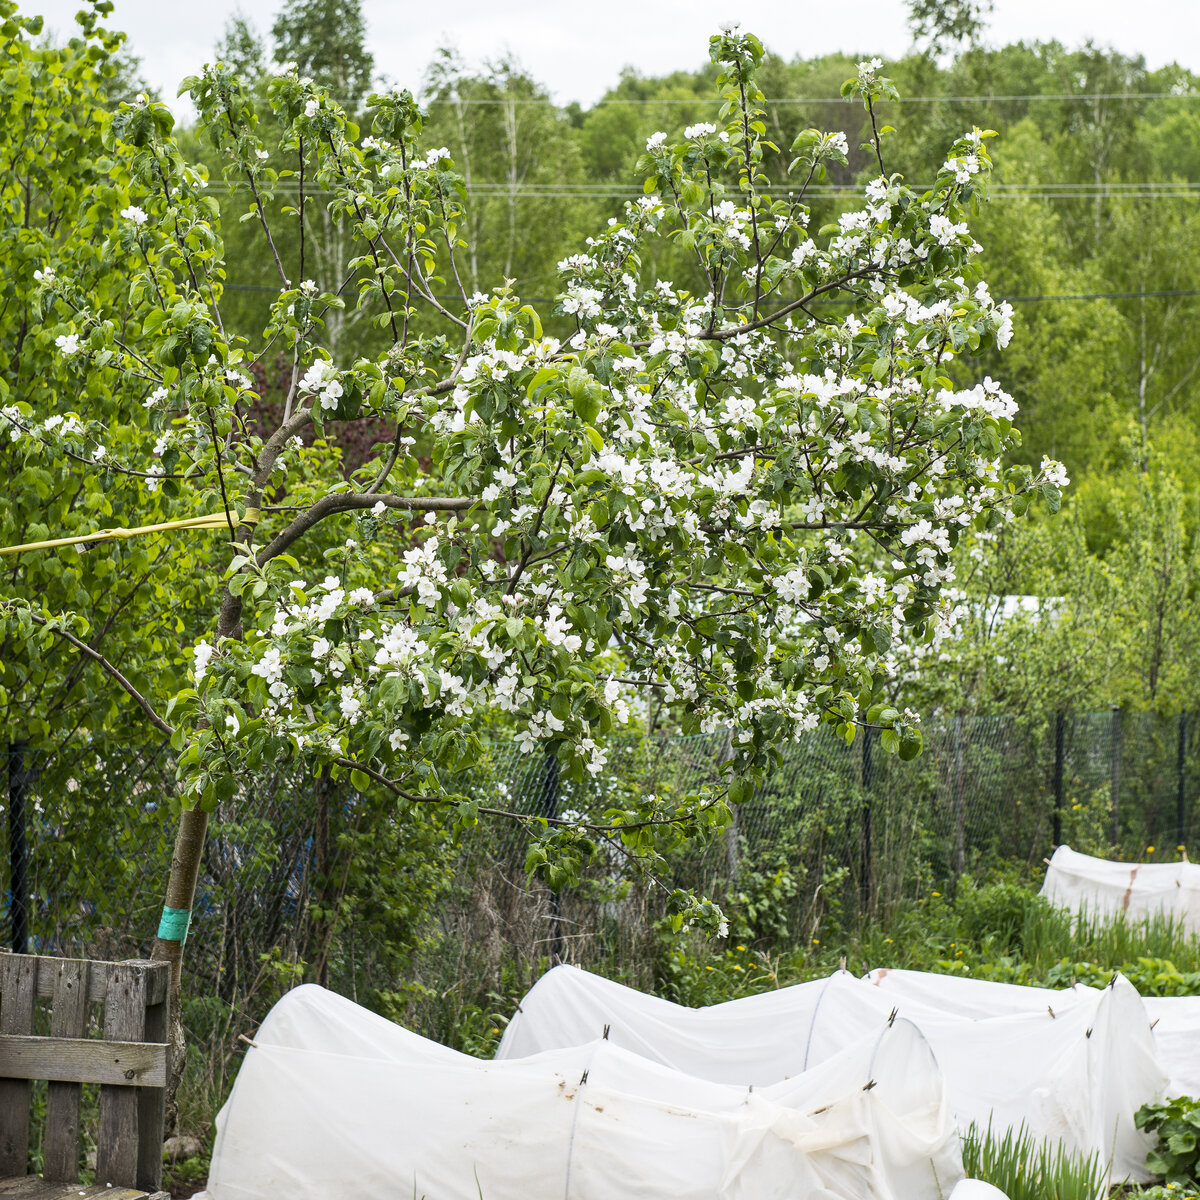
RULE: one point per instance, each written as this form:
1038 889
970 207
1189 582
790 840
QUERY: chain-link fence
308 879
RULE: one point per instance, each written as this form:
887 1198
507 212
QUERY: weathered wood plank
22 1185
124 1021
68 1019
97 979
97 1189
159 975
84 1060
30 1187
18 994
25 1186
152 1105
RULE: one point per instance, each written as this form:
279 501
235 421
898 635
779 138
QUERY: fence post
1060 725
1179 774
324 869
1116 777
18 847
960 808
731 834
865 854
550 811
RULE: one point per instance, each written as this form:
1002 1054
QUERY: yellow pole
212 521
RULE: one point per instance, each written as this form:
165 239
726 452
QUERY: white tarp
1079 882
1077 1076
1175 1020
1176 1023
1138 890
334 1103
1100 1060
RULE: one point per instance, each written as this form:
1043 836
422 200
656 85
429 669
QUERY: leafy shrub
998 912
758 907
693 977
1177 1124
1151 976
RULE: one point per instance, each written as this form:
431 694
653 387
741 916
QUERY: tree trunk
181 891
188 854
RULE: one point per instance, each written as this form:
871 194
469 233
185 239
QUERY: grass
1052 935
1024 1168
1000 931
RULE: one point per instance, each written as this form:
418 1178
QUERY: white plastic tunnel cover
1138 891
336 1102
1174 1020
756 1039
1101 887
1073 1064
1077 1076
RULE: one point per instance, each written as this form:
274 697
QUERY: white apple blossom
202 653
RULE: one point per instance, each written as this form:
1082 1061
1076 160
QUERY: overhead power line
599 190
1139 295
607 102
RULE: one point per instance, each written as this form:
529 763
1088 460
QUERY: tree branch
348 502
108 667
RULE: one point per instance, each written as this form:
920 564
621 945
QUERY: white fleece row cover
336 1103
1175 1020
1096 885
1076 1072
1176 1024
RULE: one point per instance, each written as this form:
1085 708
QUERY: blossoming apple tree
723 487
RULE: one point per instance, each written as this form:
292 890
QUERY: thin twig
108 667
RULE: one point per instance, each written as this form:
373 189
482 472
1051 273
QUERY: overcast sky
577 48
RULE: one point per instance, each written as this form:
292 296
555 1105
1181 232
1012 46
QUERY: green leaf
577 382
741 789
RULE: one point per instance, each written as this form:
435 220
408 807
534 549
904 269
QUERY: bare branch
108 667
348 502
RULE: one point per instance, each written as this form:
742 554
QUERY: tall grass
1001 931
1050 935
1024 1168
1008 932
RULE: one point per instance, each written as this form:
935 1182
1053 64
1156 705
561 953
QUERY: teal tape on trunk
174 924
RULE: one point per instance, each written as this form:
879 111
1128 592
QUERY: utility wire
617 191
263 287
704 100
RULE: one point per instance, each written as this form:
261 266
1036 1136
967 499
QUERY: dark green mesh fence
306 879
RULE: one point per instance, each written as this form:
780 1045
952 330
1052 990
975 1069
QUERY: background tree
947 24
242 49
135 602
327 40
519 160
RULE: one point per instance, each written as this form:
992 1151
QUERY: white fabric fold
333 1102
1074 1068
